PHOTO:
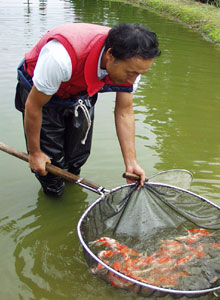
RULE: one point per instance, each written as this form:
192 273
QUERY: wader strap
24 77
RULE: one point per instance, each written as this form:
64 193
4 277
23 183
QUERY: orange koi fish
163 268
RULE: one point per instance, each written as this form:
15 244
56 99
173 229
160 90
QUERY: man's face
126 71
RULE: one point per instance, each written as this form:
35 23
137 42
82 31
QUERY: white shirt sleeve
135 85
53 67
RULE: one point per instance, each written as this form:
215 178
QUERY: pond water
177 108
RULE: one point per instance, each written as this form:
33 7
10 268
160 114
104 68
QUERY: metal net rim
140 283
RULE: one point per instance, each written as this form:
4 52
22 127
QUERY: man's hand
134 168
37 162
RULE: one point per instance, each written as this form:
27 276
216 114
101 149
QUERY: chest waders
66 131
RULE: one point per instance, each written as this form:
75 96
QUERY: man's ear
108 58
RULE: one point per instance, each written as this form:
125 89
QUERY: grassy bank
202 17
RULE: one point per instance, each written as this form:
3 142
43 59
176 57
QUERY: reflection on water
176 109
47 253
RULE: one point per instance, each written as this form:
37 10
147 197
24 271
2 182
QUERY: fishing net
155 240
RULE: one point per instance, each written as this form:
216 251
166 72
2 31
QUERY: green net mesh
159 235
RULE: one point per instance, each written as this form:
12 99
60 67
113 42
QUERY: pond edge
204 18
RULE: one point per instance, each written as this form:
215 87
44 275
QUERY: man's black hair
130 40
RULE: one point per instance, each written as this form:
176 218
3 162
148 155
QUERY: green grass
202 17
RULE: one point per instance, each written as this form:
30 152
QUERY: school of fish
163 268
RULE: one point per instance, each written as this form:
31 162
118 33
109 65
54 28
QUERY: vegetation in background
203 17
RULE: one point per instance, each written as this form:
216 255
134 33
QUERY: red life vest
83 43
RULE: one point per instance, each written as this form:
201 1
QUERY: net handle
131 176
56 170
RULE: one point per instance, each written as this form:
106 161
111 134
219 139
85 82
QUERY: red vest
84 43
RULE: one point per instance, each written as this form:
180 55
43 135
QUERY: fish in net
176 263
158 236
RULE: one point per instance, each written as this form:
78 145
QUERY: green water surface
177 112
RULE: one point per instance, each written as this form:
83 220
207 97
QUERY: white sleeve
53 67
135 85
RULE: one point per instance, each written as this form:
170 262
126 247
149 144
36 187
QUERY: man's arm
125 127
32 124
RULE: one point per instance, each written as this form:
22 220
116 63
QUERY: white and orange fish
163 268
